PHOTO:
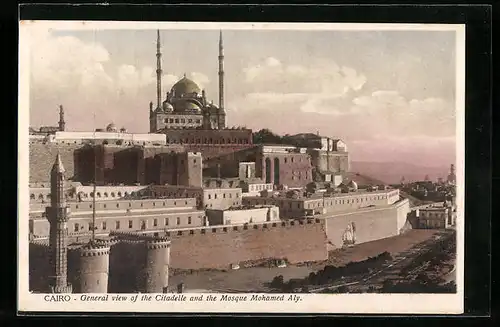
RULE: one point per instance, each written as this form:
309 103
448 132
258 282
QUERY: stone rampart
368 225
42 158
220 246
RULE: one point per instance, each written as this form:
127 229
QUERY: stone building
295 205
49 130
436 217
128 215
206 197
66 264
243 215
280 165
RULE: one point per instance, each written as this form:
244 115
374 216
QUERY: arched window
40 197
119 194
112 194
105 194
98 194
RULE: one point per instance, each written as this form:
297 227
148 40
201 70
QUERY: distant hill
361 179
391 172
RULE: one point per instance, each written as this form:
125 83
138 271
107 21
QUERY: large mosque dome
185 86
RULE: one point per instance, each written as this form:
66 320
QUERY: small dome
111 128
123 129
185 86
187 106
353 185
167 106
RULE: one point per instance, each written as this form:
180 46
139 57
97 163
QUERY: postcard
179 167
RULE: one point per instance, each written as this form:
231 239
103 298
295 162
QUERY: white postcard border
310 303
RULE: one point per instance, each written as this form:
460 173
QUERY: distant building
294 204
452 178
50 130
436 217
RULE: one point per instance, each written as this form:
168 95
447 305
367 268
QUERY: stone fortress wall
218 247
366 225
124 263
42 156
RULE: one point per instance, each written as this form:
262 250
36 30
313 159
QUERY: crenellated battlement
40 241
95 248
242 227
152 240
160 243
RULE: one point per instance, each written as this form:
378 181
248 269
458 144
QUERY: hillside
361 179
391 172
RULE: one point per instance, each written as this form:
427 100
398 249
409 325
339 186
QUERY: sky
390 95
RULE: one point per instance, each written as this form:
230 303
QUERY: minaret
158 70
58 215
452 175
62 124
221 73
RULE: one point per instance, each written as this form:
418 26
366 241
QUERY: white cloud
313 88
65 64
80 75
317 77
201 79
400 117
272 62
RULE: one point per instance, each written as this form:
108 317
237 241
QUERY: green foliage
266 136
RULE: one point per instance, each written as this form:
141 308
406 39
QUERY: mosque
186 105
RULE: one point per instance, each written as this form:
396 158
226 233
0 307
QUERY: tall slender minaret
221 72
62 124
58 215
158 70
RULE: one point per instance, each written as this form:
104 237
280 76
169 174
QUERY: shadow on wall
39 267
412 220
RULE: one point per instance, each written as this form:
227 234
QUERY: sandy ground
254 279
393 245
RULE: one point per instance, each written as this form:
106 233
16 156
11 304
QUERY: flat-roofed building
124 215
243 215
297 205
435 217
207 197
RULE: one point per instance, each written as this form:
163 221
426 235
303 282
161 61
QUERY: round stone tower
155 272
94 267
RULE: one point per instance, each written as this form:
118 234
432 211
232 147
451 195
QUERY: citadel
113 211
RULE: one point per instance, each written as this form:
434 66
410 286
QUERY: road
389 271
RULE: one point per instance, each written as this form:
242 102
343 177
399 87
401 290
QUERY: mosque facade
186 105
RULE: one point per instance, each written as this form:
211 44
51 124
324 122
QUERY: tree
277 281
266 136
